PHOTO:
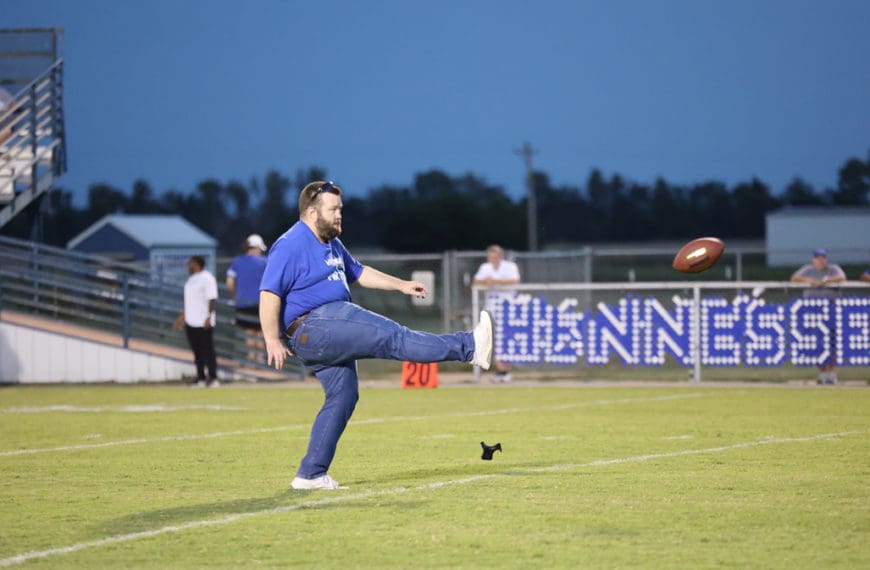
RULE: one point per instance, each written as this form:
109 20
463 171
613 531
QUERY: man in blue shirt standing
243 280
304 294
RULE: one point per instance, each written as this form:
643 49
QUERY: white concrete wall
28 355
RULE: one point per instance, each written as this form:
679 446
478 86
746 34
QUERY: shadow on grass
149 520
423 477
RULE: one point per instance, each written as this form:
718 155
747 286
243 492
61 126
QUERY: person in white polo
198 319
497 271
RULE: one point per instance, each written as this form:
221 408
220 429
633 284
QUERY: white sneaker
502 377
827 378
322 482
214 383
483 341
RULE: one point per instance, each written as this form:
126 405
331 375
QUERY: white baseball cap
256 240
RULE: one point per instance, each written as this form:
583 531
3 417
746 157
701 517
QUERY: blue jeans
331 339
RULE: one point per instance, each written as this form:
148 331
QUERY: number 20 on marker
419 375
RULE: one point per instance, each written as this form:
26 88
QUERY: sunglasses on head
328 186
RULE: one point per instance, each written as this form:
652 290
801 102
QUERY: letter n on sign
419 374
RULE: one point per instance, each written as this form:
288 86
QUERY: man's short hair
312 191
496 248
199 260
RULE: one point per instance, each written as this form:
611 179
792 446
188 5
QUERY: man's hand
276 351
414 288
811 281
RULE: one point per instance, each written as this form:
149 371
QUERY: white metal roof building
165 242
793 233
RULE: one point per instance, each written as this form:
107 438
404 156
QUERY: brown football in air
699 255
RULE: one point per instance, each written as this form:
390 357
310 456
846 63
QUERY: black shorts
248 318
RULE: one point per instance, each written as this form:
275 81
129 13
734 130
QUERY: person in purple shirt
306 311
243 280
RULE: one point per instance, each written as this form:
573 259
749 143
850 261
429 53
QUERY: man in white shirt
198 319
497 271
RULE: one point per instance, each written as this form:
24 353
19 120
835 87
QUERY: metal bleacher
32 135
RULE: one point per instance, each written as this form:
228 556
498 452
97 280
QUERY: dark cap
821 252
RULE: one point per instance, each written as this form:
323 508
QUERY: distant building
165 243
792 234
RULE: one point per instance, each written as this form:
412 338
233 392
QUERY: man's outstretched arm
371 278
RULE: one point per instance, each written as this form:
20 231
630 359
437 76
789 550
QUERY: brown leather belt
294 326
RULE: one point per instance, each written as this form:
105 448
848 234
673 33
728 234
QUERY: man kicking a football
304 294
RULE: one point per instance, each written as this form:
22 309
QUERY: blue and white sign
745 331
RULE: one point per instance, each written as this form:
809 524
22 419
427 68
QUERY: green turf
589 478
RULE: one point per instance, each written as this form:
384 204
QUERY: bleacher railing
105 295
32 142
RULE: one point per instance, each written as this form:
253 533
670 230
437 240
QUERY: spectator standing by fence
243 281
497 271
198 319
822 277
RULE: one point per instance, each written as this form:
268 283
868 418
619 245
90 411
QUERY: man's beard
325 230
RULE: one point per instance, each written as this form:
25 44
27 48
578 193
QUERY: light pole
532 204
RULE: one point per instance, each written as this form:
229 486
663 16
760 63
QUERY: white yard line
182 437
341 498
132 409
189 437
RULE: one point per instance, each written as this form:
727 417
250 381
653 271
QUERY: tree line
438 212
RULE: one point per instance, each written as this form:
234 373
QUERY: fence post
587 275
696 338
34 268
34 146
55 113
446 307
125 309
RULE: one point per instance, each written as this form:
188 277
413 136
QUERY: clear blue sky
175 91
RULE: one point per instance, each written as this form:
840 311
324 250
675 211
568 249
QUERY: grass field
590 477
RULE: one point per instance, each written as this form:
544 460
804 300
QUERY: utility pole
532 203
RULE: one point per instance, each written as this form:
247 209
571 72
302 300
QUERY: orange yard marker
419 374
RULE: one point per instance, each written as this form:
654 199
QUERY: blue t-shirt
247 270
306 274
